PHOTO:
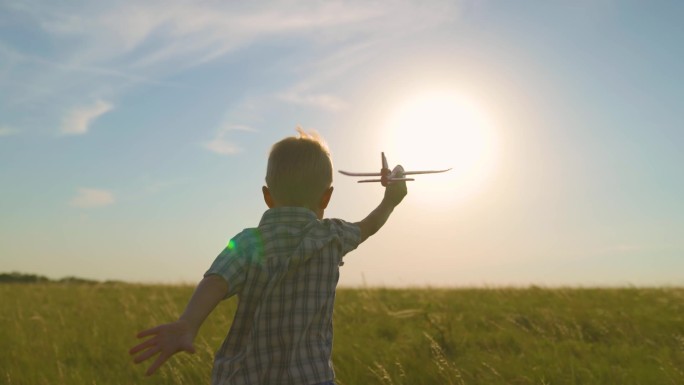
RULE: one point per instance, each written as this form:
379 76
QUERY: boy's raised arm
394 193
169 339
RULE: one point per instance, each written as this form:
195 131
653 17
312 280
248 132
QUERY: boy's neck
319 212
318 208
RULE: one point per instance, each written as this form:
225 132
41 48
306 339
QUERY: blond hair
299 169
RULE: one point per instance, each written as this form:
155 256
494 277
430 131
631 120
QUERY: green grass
80 334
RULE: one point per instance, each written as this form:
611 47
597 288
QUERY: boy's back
285 273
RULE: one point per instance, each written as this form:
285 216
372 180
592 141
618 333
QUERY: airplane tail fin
384 161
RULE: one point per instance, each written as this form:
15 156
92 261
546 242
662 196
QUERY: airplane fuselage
387 176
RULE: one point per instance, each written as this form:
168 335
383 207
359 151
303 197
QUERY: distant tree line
22 278
15 277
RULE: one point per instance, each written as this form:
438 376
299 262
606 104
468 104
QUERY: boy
284 272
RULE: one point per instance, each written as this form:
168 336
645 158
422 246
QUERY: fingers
165 341
157 363
149 332
143 346
146 354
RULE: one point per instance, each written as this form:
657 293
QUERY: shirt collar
288 215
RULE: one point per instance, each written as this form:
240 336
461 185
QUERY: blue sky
134 135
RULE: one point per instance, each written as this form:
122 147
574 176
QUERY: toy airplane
387 176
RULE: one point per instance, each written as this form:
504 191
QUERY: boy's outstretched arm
394 193
174 337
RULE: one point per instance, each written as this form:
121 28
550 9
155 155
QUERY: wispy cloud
194 32
138 35
90 198
222 145
7 131
102 49
327 102
310 90
78 121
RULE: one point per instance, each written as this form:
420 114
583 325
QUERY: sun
442 129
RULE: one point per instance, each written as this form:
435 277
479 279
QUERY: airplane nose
398 171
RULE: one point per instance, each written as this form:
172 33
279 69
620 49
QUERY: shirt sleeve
232 263
350 234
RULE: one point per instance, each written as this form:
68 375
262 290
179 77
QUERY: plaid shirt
284 273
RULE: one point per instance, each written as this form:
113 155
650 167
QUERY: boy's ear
325 199
267 197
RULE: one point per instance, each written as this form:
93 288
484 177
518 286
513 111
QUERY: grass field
80 334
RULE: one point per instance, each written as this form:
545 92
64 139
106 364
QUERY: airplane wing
360 173
390 180
425 172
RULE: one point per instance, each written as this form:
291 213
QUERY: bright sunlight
437 130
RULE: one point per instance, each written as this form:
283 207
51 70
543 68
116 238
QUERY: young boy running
284 273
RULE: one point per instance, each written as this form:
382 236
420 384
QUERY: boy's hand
167 340
395 193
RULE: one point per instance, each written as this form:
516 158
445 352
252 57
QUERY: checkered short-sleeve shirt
284 273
